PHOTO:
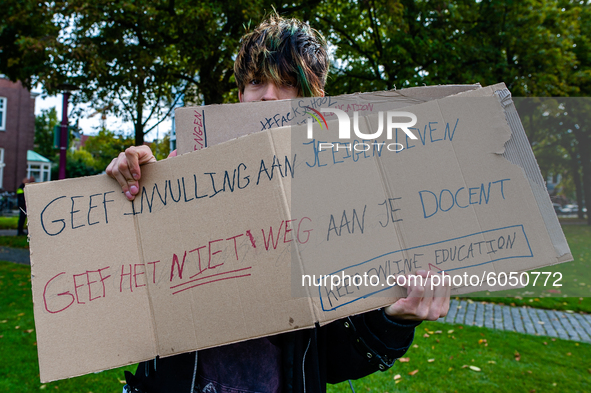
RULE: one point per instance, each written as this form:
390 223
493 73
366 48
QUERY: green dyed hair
285 51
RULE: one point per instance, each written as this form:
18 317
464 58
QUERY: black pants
21 222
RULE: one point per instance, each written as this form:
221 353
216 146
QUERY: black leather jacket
349 348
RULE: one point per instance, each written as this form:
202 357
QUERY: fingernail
128 195
133 190
136 176
421 271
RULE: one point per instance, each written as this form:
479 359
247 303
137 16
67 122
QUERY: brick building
17 132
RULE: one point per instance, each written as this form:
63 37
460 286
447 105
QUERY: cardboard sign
218 246
202 126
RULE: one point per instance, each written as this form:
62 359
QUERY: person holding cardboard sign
284 59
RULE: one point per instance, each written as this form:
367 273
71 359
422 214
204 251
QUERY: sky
90 125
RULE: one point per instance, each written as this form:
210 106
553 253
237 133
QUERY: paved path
8 232
10 254
560 324
17 255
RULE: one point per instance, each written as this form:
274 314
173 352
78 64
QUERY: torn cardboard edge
518 151
542 199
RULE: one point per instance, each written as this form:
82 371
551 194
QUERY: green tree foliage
558 128
118 60
161 147
88 160
44 124
133 59
27 41
105 146
79 163
581 72
382 44
555 151
574 119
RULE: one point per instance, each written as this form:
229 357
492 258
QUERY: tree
576 120
161 147
135 59
581 37
79 163
558 128
44 124
382 44
118 60
105 146
28 42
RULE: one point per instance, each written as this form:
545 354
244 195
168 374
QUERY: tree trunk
586 163
575 168
211 89
139 115
582 134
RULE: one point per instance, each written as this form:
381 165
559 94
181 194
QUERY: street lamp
66 88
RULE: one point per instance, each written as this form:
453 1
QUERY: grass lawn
14 241
572 220
8 222
544 365
504 361
19 367
575 293
442 354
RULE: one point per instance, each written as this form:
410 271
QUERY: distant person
22 205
